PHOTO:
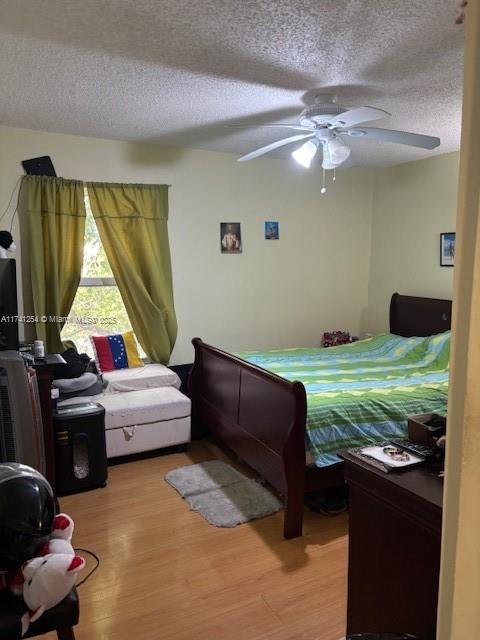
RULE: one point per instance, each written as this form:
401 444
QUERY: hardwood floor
166 574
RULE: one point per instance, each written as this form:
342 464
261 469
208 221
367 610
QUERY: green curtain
132 223
55 214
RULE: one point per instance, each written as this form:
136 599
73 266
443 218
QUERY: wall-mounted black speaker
42 166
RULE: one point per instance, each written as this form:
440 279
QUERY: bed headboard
412 316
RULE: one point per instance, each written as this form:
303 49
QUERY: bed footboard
258 415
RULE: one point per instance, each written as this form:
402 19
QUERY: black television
8 305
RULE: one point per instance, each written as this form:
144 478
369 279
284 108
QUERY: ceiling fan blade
399 137
295 127
275 145
353 117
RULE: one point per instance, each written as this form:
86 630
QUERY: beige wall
276 293
413 203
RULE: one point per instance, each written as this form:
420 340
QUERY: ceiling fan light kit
325 123
335 152
306 153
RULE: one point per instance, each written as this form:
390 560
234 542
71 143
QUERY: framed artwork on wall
447 249
271 230
230 237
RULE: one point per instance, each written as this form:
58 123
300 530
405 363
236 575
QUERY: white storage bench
137 421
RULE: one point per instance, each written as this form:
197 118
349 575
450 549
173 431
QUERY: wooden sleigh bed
262 417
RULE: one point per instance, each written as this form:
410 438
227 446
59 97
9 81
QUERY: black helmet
27 510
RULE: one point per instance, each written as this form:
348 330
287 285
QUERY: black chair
61 618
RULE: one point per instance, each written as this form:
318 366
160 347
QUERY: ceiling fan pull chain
324 188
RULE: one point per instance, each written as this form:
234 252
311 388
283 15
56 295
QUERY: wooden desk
394 549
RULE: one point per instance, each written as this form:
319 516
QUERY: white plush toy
49 578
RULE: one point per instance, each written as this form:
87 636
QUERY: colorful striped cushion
118 351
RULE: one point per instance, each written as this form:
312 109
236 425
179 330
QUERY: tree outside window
98 307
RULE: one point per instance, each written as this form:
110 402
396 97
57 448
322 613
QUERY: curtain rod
128 184
86 182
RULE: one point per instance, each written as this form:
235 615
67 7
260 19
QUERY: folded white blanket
148 377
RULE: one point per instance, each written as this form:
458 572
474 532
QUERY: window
98 307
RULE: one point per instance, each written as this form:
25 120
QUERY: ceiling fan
326 124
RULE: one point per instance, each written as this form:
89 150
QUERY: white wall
413 203
276 293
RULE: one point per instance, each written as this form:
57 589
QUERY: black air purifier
80 450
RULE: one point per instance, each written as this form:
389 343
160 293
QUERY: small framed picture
447 249
230 237
271 231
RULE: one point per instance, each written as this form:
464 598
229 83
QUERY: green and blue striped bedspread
362 393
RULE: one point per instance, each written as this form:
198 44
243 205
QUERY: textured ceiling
178 71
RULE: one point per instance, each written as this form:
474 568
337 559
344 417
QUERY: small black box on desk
426 428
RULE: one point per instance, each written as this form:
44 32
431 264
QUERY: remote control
412 447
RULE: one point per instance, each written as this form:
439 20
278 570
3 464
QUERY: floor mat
221 494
